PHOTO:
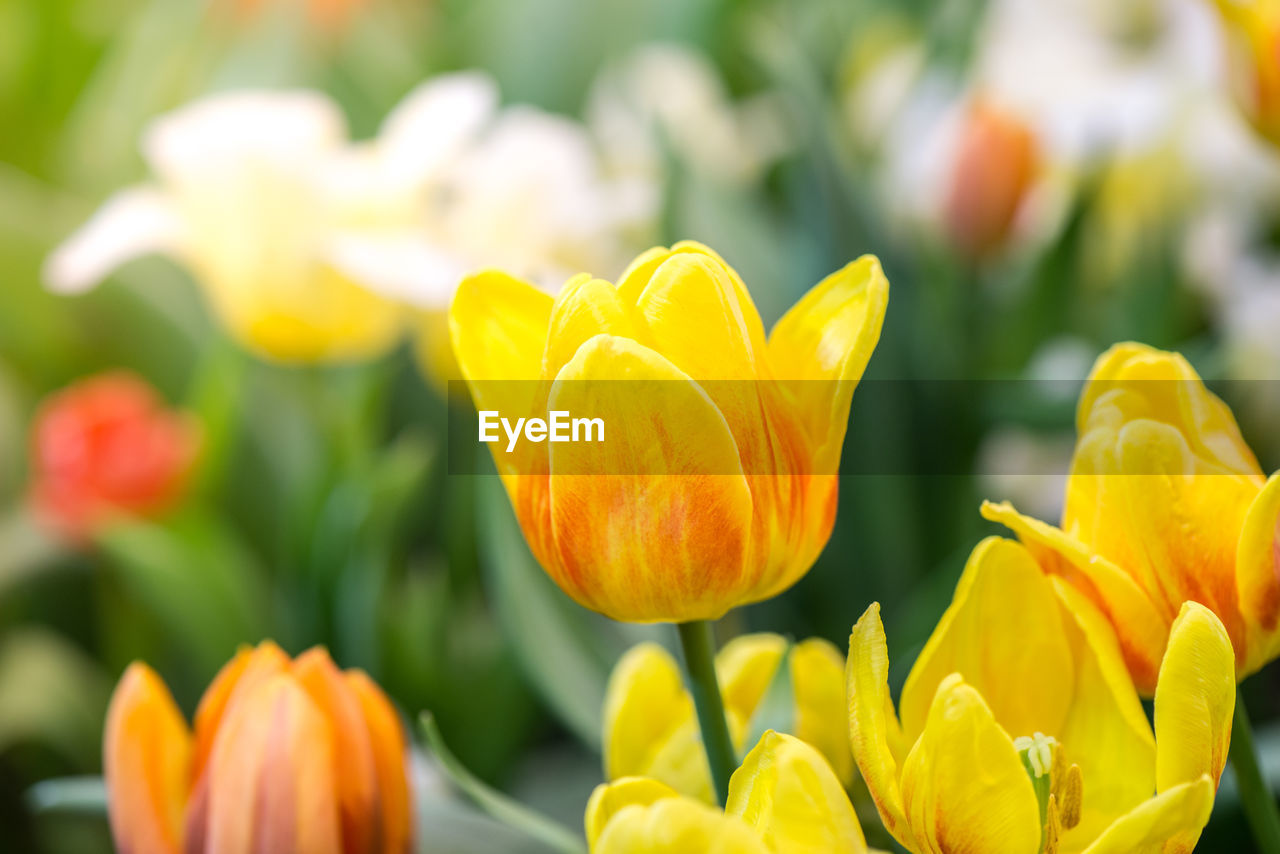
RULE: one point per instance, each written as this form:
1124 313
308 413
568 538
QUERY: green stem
1255 795
698 643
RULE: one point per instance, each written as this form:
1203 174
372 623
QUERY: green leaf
566 651
501 807
451 828
195 577
51 694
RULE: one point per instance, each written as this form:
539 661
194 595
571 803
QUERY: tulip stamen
1039 753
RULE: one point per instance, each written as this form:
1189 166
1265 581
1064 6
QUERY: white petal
293 128
434 123
400 265
132 223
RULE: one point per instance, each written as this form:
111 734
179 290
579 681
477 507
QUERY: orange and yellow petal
1258 578
789 793
237 678
964 787
331 695
1195 699
272 783
390 750
820 348
663 534
146 764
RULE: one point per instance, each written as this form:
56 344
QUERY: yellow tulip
1165 504
651 729
718 492
785 799
291 757
1020 731
1253 37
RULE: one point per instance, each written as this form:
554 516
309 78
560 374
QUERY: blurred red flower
108 445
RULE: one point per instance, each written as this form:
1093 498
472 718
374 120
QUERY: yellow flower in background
1020 731
651 729
287 756
1253 41
783 800
1165 504
717 485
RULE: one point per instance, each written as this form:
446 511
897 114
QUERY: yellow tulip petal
964 787
873 726
822 712
146 760
677 826
1169 823
660 532
272 783
1169 390
1258 577
647 708
789 793
1195 699
499 324
1106 732
609 799
745 667
1003 633
584 308
1206 509
1137 620
701 319
824 342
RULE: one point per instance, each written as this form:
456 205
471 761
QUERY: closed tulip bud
715 485
1165 504
106 446
287 757
995 163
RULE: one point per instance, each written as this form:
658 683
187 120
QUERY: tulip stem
1255 794
698 643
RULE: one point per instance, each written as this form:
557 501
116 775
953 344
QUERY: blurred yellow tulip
718 492
651 730
785 799
291 757
1165 504
1253 36
1020 731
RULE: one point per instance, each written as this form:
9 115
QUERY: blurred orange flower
108 445
326 14
995 164
287 756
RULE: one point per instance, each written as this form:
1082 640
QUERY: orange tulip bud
995 163
290 757
107 445
716 484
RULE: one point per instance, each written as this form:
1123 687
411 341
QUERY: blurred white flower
668 96
1025 468
239 197
309 246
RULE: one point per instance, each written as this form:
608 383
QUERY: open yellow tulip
1020 731
650 729
717 492
1165 504
785 799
